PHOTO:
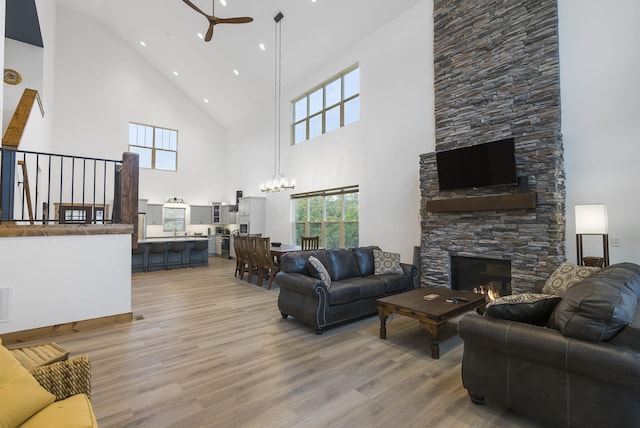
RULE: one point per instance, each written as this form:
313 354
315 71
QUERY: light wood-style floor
213 351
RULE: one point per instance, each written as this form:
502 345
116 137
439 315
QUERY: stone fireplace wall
497 76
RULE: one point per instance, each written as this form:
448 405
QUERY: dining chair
268 266
243 243
310 243
252 258
237 242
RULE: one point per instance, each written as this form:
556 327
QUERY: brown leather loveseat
581 369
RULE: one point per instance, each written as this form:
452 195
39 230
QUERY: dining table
278 251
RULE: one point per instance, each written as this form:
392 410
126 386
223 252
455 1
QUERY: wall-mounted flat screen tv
489 164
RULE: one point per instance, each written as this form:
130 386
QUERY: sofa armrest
299 283
65 378
412 272
602 361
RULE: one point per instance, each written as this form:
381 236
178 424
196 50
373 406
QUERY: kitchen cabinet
200 214
154 214
220 213
251 214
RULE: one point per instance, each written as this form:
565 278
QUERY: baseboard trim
62 329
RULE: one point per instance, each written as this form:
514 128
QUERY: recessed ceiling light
262 47
314 1
200 36
175 73
236 72
142 43
223 2
206 100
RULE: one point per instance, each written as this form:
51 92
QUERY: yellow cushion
20 393
74 412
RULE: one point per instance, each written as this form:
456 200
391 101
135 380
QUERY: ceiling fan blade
209 35
196 8
241 20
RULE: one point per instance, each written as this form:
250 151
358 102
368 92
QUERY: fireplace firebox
481 275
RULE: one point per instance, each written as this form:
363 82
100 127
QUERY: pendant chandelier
278 183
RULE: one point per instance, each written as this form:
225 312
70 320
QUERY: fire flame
488 289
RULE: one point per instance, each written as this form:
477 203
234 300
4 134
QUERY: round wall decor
12 77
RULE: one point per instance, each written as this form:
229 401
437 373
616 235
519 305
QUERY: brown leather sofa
354 286
581 369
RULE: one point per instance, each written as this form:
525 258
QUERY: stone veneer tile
497 76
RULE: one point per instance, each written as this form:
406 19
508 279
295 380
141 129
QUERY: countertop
172 239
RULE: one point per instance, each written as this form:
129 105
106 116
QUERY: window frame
322 113
311 223
155 148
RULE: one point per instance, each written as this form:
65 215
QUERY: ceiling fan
213 20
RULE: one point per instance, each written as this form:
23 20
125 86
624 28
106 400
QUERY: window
80 213
330 214
333 104
157 147
173 219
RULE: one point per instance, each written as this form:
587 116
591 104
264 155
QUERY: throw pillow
386 263
21 395
318 271
529 308
565 276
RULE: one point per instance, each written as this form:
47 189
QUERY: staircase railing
41 189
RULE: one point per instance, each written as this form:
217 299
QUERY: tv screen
489 164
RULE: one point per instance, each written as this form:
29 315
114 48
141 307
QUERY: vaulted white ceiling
311 33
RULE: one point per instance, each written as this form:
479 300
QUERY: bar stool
156 250
138 262
177 248
199 253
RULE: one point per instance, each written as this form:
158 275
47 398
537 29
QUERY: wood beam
13 134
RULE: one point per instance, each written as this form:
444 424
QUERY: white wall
102 85
599 68
61 279
380 152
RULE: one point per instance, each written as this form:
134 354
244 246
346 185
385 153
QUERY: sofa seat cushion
352 289
73 412
530 308
595 309
393 283
21 395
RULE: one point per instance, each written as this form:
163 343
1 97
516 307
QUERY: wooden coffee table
432 314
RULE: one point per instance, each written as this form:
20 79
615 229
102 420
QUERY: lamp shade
591 219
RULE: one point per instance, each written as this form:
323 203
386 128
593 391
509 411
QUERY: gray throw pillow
318 271
565 276
386 263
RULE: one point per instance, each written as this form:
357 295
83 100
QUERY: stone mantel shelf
512 201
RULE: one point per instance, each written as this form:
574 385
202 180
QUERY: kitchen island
159 253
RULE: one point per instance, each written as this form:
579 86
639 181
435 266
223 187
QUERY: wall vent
5 303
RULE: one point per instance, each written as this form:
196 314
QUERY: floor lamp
592 220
